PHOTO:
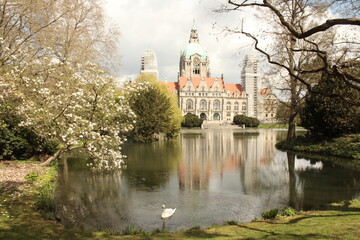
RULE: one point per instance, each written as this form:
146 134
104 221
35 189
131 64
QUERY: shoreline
19 218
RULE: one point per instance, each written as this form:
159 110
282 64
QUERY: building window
236 106
189 104
203 105
243 106
228 106
216 105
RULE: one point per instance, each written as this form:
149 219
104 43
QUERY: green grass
276 125
19 219
347 146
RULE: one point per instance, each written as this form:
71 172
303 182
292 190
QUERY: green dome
194 48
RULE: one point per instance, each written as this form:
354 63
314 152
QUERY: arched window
202 105
216 105
203 116
228 106
189 104
243 106
216 117
236 106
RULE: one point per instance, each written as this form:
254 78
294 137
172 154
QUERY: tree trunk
54 156
293 92
291 134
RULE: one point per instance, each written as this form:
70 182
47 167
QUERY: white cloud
164 26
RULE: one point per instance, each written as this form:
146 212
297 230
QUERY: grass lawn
19 219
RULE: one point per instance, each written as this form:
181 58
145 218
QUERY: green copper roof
194 48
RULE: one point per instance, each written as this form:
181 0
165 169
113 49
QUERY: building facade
149 63
211 98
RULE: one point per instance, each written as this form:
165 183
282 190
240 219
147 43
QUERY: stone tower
149 63
250 84
194 61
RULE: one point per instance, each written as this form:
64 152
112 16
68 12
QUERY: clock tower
194 60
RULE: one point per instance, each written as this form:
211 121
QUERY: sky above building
165 26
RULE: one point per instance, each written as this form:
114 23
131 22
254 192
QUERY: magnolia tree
75 105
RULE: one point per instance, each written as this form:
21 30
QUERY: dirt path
12 174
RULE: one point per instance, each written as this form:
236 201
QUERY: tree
331 116
79 109
337 58
156 110
192 120
301 41
52 63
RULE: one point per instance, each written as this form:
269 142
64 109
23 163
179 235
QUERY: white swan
168 212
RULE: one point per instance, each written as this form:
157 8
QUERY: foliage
231 222
248 121
270 214
331 116
155 108
288 212
45 191
44 66
191 120
347 146
20 142
32 177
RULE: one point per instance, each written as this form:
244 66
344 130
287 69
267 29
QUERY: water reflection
210 176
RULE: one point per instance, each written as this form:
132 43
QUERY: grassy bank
346 147
276 125
20 218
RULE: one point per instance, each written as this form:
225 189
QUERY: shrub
270 214
288 212
191 120
248 121
231 222
32 177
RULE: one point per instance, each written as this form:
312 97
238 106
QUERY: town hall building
210 97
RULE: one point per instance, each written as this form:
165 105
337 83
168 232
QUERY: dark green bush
326 113
20 142
191 120
270 214
248 121
231 223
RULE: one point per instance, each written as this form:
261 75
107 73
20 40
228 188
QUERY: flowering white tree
45 51
75 105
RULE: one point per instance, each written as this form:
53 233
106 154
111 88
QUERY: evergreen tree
331 116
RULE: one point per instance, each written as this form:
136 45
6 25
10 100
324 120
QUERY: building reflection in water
207 154
210 176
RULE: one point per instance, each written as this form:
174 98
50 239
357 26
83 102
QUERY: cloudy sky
164 26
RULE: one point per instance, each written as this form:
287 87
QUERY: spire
194 35
193 26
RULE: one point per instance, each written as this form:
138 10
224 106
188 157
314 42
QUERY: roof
233 87
194 48
196 82
172 86
264 91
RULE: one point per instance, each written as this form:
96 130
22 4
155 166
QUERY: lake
210 176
